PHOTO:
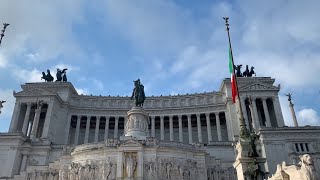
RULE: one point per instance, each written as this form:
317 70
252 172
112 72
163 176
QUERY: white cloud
42 31
150 24
308 117
25 75
98 84
3 61
83 91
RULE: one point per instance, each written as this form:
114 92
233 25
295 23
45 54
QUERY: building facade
55 131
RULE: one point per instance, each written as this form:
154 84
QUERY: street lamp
3 30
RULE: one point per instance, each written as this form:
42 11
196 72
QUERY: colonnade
267 113
181 120
26 118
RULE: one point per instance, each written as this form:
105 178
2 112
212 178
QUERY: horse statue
251 72
238 70
246 72
305 170
47 77
61 75
138 94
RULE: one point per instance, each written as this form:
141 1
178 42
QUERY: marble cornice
152 112
165 102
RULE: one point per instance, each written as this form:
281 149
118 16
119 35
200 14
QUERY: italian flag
233 78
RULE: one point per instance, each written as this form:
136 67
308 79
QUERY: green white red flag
233 80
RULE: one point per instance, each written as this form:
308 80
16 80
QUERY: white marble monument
187 136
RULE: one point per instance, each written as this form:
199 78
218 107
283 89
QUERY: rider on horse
138 93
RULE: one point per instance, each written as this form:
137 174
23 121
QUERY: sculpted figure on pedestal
130 164
138 93
47 77
113 171
105 169
73 171
168 170
305 170
238 70
62 75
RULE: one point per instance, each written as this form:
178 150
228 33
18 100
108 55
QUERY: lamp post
3 30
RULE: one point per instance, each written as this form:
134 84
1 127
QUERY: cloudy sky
173 46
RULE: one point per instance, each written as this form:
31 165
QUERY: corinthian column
180 128
199 128
106 128
161 128
34 130
67 130
218 126
86 137
244 110
96 133
116 125
153 134
15 117
266 112
76 135
208 127
278 112
189 128
171 127
255 113
26 119
47 120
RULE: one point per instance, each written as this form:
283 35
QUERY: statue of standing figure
138 93
238 70
130 164
62 75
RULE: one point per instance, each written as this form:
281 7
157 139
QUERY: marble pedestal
137 124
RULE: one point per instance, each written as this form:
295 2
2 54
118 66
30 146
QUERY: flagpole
243 128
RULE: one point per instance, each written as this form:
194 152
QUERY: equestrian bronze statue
138 94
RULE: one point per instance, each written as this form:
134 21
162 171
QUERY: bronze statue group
61 75
246 73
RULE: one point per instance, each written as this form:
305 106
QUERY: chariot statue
138 94
47 77
62 75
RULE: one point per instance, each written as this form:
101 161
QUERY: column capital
152 117
189 115
179 116
217 113
198 115
264 98
161 116
98 117
207 114
170 116
29 103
